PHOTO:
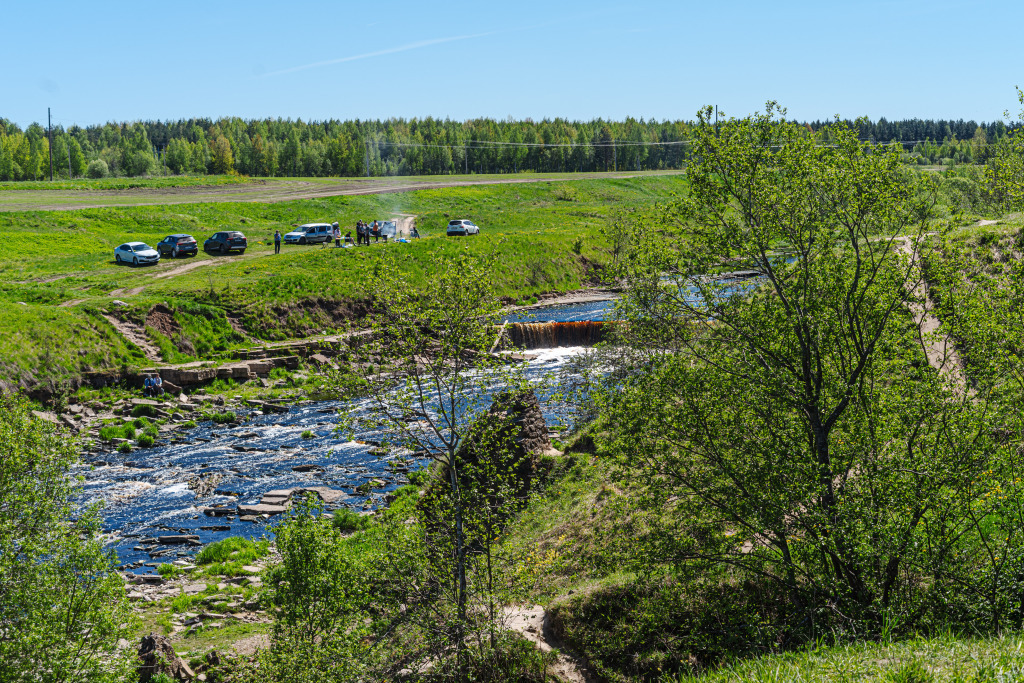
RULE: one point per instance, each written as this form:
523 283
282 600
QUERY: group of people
337 235
366 230
153 386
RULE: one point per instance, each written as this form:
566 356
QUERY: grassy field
57 271
109 192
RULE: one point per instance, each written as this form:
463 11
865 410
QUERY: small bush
226 417
577 246
146 441
308 434
346 520
143 411
124 448
190 424
97 169
141 423
110 432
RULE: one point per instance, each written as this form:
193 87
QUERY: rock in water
205 484
157 656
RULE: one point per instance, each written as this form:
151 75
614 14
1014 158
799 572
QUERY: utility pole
69 160
615 158
49 137
367 157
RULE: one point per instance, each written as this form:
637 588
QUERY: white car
462 227
136 253
310 233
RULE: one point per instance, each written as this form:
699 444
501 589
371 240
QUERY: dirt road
937 345
269 190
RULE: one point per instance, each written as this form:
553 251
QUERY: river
146 493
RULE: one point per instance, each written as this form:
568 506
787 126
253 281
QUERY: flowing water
146 493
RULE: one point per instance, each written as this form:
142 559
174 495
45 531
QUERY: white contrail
367 55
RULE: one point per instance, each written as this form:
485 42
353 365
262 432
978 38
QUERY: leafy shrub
346 520
308 434
97 169
418 477
63 605
190 424
126 447
141 422
145 441
407 490
577 245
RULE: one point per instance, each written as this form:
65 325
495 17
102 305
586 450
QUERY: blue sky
119 61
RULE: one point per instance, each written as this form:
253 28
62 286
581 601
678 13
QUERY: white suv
462 227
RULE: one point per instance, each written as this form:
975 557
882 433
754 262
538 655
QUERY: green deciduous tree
63 605
222 160
321 632
430 379
789 427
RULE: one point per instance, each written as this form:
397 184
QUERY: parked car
136 253
310 233
224 242
177 245
462 227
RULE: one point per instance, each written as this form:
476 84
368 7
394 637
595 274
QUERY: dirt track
272 190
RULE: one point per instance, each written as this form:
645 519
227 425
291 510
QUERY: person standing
147 386
376 231
277 241
337 236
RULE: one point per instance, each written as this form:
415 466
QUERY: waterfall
549 334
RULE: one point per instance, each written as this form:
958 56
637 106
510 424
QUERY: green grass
531 230
125 183
347 521
110 432
227 557
226 417
941 659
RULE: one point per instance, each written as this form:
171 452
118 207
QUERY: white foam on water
559 354
189 511
176 490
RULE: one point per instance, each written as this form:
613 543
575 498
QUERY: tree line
429 146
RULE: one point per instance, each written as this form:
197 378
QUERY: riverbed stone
157 656
177 539
261 509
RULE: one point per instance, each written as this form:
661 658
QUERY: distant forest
282 147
